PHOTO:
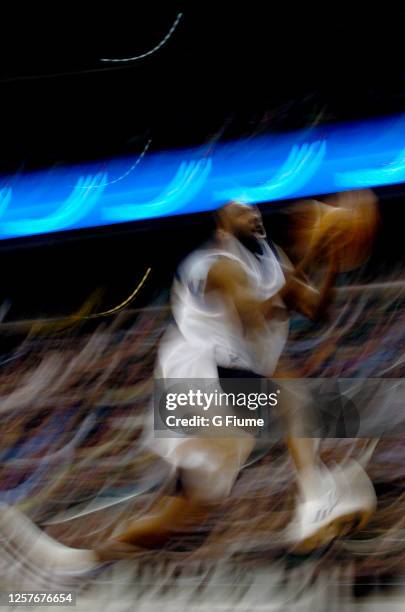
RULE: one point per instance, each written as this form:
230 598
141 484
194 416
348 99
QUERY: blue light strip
321 160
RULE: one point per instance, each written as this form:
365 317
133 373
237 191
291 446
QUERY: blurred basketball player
231 301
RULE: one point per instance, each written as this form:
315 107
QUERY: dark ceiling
223 71
224 68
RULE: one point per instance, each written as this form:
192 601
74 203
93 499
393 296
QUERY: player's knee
211 483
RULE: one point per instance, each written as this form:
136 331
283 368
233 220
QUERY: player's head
243 221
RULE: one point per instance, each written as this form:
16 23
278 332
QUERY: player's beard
252 243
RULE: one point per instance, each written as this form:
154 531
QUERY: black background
238 69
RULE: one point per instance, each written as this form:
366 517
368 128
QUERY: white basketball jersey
207 334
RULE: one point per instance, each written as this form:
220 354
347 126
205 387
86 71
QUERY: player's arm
300 295
310 301
229 279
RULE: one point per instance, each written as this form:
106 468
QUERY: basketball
346 226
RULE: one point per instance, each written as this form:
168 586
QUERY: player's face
243 221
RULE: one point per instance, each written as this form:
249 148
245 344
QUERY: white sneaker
346 503
24 540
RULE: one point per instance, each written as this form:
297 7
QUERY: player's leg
330 502
208 468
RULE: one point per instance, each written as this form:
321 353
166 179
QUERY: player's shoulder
278 252
226 269
202 259
194 265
